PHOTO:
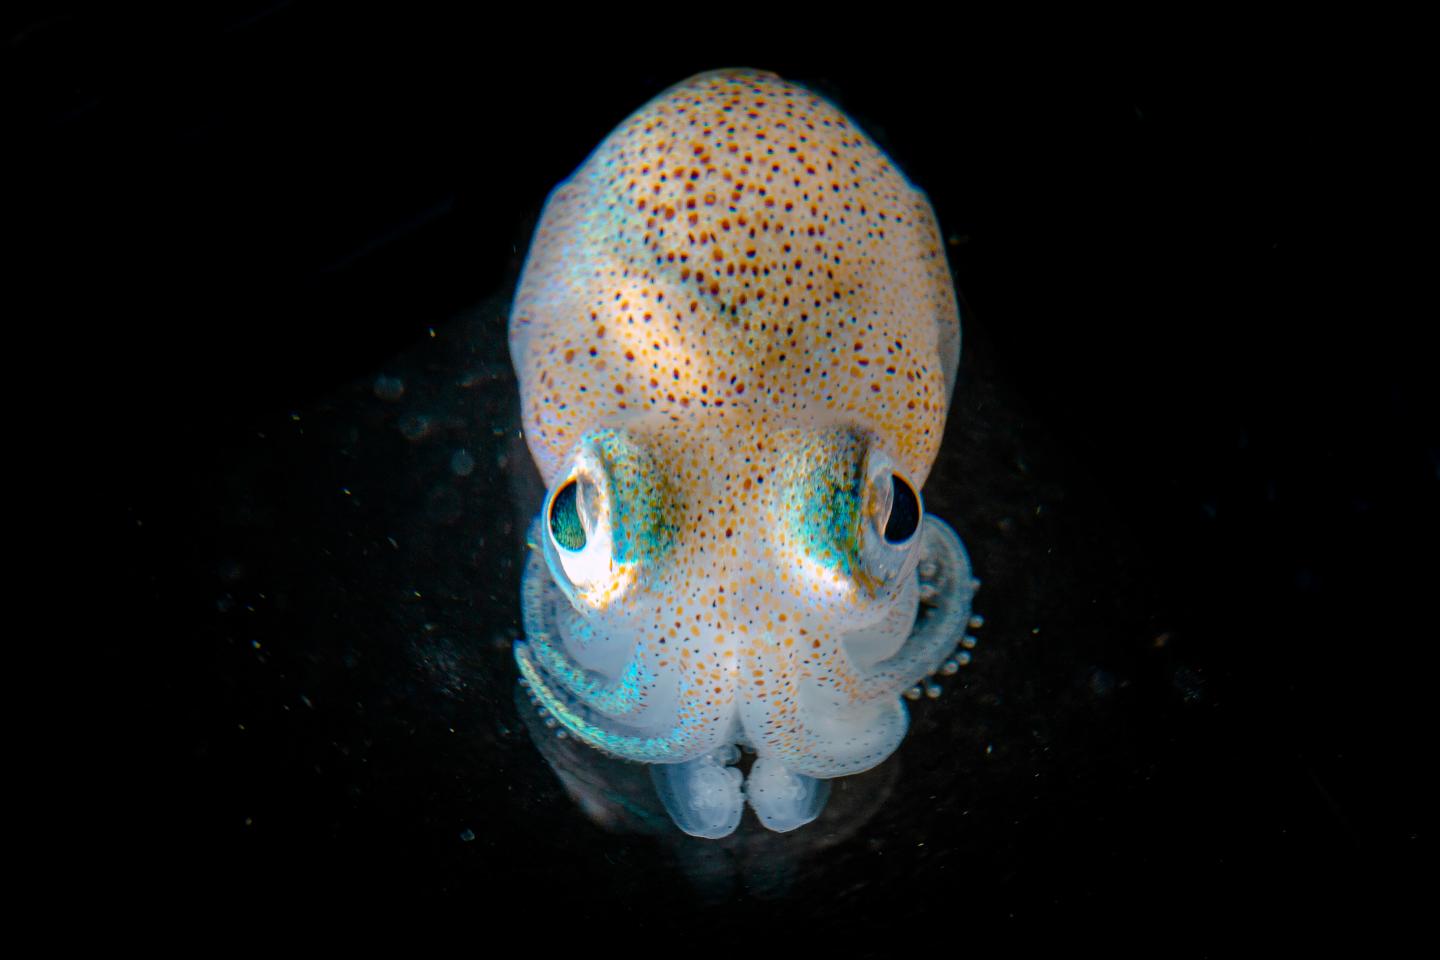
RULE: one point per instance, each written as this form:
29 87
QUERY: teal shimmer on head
645 509
824 496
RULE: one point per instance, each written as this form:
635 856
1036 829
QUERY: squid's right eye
566 525
605 522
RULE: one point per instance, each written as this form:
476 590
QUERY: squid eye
888 542
604 523
904 511
566 526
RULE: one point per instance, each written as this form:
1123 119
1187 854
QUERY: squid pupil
565 525
904 512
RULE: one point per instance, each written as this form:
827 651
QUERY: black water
1191 453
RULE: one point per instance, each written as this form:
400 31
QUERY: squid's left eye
904 517
893 515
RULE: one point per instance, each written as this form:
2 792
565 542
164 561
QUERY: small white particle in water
462 463
467 835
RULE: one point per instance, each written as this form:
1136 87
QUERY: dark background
1183 257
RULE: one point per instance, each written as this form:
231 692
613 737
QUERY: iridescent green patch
824 493
645 509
